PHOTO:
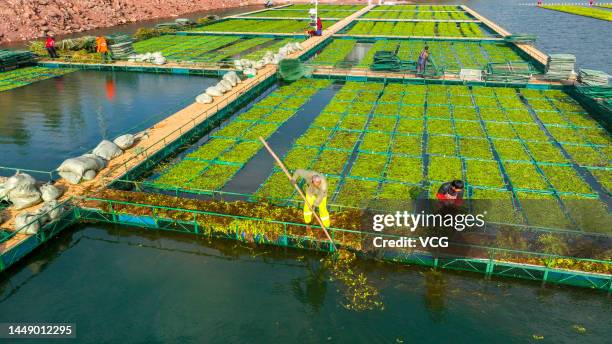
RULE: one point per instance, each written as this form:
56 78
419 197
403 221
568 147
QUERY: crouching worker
316 195
451 192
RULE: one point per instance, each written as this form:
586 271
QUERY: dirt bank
28 19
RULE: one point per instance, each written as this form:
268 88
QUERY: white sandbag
269 54
298 46
107 151
50 192
78 165
228 85
265 60
246 63
237 64
89 175
43 216
277 58
100 163
258 65
24 196
3 192
283 51
53 210
71 177
231 78
125 141
222 87
204 99
27 223
19 179
214 91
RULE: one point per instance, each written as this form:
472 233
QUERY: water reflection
46 122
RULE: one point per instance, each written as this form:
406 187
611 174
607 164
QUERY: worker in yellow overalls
316 194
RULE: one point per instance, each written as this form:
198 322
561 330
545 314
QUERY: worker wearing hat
316 194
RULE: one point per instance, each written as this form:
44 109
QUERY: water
43 123
587 38
122 284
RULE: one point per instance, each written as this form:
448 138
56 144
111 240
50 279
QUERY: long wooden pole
310 206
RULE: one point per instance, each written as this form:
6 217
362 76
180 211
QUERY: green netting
10 59
293 69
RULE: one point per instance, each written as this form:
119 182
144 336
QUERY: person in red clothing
50 46
319 28
451 192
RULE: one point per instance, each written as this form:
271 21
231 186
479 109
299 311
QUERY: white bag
53 210
258 65
228 85
78 165
232 78
237 64
221 87
125 141
107 150
19 179
27 222
71 177
89 175
50 192
204 99
214 91
100 163
24 196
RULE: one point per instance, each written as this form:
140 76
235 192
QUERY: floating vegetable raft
261 25
375 141
210 48
25 76
596 13
421 29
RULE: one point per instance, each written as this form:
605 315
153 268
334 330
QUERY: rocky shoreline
22 20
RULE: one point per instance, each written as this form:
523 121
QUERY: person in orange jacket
102 48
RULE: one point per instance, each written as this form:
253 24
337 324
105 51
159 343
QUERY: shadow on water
255 172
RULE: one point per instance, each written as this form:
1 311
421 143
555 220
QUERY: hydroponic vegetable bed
209 48
418 8
409 14
427 29
375 141
596 13
449 55
299 14
260 25
393 130
24 76
212 165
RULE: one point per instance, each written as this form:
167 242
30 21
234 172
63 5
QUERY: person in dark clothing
451 191
50 46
